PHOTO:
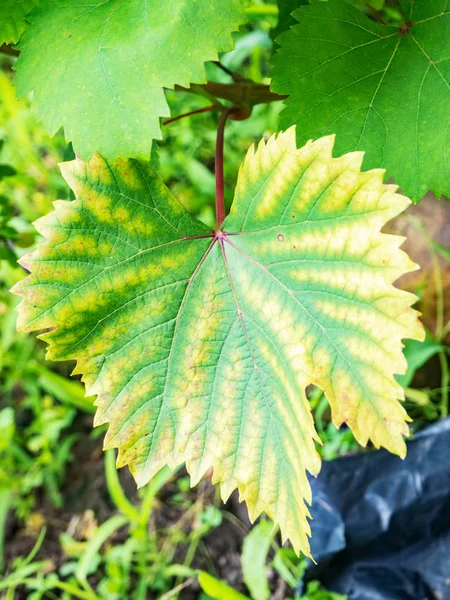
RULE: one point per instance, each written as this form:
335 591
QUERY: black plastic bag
381 528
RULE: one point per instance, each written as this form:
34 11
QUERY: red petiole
192 112
220 199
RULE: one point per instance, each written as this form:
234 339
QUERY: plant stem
220 199
5 505
445 331
444 383
115 490
225 69
61 585
192 112
150 491
178 588
105 531
262 10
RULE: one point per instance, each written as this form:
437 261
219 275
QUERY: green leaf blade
199 346
12 19
113 60
380 89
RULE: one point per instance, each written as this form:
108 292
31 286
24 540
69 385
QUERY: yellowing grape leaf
98 67
200 345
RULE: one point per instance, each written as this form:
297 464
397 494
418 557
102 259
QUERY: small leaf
218 589
7 428
99 67
69 392
289 568
200 345
253 560
6 171
417 354
381 89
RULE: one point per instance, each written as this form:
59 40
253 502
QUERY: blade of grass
69 392
103 533
5 504
115 489
444 383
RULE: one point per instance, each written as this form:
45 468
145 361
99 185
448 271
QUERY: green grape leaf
200 344
285 17
12 19
98 68
381 89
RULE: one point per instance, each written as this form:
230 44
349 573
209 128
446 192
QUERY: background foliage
69 526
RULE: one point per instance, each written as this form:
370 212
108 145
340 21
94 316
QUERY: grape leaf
285 18
12 22
380 89
98 68
200 345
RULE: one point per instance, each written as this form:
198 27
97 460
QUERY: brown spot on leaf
280 238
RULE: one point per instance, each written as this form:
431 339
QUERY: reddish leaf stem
220 200
192 112
226 70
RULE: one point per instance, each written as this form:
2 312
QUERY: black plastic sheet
381 528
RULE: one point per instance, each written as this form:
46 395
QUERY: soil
85 499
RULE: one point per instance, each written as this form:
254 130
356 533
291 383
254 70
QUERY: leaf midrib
170 354
256 370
